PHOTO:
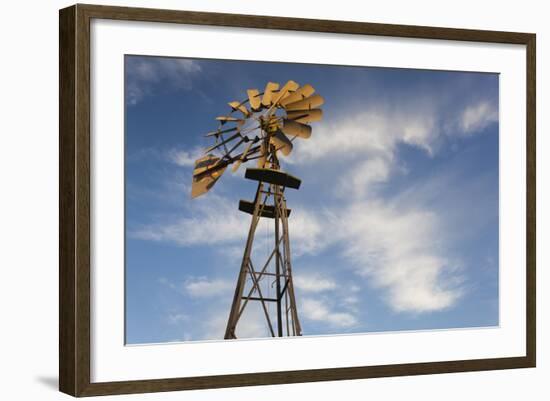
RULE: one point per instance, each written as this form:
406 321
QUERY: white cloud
185 158
363 176
209 322
369 133
305 231
399 250
176 318
214 326
232 254
317 310
252 324
351 302
168 283
478 116
375 133
143 73
196 287
210 221
215 220
313 282
200 287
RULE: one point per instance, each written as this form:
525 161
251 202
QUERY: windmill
260 128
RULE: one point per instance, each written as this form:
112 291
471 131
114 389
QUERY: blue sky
395 226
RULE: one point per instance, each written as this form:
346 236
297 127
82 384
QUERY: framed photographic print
250 200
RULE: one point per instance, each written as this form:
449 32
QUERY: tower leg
289 285
278 269
234 314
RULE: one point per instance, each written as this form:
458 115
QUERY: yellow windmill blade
243 157
203 179
204 184
308 103
293 128
239 106
270 88
300 93
281 142
305 116
204 163
225 119
254 99
287 88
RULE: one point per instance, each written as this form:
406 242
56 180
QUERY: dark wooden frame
74 199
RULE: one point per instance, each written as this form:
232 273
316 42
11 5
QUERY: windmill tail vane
260 128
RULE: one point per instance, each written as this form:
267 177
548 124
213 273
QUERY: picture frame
75 200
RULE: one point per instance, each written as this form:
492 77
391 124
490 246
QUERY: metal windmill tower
258 128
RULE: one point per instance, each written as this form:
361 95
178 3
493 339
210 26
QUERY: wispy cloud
143 73
177 318
184 158
363 177
199 287
477 117
313 282
214 220
375 133
306 231
399 249
211 221
319 311
252 324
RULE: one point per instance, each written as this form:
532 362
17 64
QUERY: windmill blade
206 167
290 86
254 99
281 142
225 119
239 106
204 163
293 128
305 116
243 157
216 133
217 145
268 93
300 93
203 182
306 104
